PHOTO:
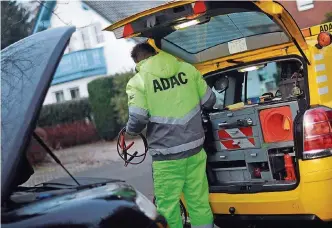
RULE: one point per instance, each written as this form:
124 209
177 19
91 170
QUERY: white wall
82 84
117 52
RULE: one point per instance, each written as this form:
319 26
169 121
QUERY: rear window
222 29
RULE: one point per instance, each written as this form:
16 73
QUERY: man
166 95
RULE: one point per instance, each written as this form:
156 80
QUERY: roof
114 11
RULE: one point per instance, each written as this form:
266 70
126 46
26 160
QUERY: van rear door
198 31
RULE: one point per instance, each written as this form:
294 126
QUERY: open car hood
27 69
227 32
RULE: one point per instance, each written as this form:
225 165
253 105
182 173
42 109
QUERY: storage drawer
255 155
229 114
231 119
237 144
232 174
226 156
266 176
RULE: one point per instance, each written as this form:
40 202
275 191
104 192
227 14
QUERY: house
307 12
90 54
74 72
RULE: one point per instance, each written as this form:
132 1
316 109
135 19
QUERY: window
303 5
59 96
222 29
86 38
220 98
99 33
75 93
261 81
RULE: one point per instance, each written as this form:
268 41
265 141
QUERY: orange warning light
324 39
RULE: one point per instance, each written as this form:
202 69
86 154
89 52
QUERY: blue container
254 100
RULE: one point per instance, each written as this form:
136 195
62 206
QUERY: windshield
222 29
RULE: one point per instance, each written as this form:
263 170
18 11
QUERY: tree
15 23
328 17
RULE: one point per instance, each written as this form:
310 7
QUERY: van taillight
317 123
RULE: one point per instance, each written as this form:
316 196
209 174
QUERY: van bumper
311 200
280 221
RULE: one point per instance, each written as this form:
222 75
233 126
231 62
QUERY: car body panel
104 206
320 82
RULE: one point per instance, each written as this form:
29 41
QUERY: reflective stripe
162 137
207 95
137 110
179 148
319 57
322 78
138 118
320 67
179 121
203 226
323 90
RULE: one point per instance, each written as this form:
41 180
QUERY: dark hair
142 49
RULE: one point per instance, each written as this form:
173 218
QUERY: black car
27 69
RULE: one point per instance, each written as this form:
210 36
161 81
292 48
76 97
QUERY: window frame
99 34
303 5
78 93
56 97
86 38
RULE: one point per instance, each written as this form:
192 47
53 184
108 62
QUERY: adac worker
167 95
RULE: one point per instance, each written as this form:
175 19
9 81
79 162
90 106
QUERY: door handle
222 156
234 131
223 124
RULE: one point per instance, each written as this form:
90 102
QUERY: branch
55 14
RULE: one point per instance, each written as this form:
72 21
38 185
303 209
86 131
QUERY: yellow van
269 136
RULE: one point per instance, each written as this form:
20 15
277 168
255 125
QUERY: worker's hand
123 145
130 135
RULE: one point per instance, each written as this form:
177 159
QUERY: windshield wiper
55 158
55 184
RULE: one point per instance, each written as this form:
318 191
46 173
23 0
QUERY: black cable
55 158
123 153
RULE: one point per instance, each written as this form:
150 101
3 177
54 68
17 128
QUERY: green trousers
188 175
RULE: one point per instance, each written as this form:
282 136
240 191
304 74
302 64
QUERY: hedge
63 113
120 100
71 134
100 96
108 101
